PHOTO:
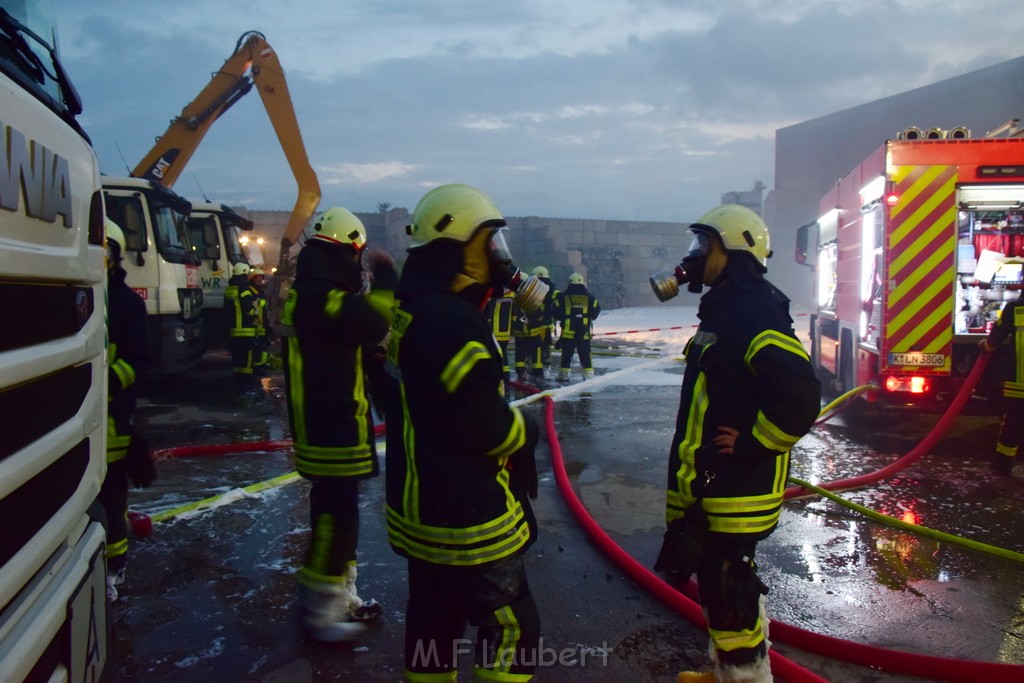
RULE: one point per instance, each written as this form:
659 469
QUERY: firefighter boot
324 611
359 609
695 677
1002 464
588 373
563 375
115 577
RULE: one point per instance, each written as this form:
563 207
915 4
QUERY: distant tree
382 207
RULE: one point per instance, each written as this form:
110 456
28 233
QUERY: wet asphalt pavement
210 594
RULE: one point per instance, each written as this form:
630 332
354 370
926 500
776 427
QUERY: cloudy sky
619 109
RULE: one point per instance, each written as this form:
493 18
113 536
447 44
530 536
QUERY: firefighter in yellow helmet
261 342
127 454
240 300
577 309
460 470
337 313
749 394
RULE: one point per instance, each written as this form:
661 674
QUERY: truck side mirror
801 245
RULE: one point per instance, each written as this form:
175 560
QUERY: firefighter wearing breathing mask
749 394
460 468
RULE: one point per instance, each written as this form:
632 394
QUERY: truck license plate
913 358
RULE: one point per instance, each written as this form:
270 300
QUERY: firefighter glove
139 463
683 548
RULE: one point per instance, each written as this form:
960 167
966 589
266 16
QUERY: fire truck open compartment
915 253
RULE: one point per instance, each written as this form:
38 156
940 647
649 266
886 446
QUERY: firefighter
749 393
546 322
241 296
1007 337
577 309
261 327
127 453
460 464
499 313
333 319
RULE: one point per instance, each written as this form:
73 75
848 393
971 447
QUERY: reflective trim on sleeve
124 371
773 338
771 437
514 440
460 365
335 300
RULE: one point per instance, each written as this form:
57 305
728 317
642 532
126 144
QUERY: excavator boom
253 63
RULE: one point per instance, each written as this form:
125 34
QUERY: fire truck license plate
912 358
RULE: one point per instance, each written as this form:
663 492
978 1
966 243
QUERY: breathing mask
528 290
690 272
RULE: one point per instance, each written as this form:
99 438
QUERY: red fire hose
895 661
915 453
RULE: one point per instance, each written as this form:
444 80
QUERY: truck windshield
171 235
28 54
233 246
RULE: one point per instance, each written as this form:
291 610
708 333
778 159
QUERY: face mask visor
529 291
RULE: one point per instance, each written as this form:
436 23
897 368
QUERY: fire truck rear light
913 385
891 199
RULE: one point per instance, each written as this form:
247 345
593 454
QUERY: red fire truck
914 253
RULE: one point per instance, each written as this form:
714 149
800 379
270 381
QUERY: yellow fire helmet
739 229
340 226
541 271
576 279
240 269
452 212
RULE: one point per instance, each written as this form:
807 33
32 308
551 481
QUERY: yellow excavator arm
253 62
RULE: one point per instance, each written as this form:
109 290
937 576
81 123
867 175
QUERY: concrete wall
615 257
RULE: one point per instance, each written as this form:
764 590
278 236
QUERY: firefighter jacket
128 353
499 312
577 309
1010 328
540 321
451 498
746 370
260 303
331 324
240 296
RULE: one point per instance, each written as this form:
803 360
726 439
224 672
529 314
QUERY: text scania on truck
915 252
53 375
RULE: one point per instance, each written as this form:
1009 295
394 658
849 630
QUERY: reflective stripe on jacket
326 383
746 370
450 433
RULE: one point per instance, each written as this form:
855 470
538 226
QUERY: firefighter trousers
334 521
113 497
494 597
1011 430
577 345
731 595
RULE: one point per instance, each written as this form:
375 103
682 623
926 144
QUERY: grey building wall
615 257
812 156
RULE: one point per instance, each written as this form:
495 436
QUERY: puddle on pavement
624 506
